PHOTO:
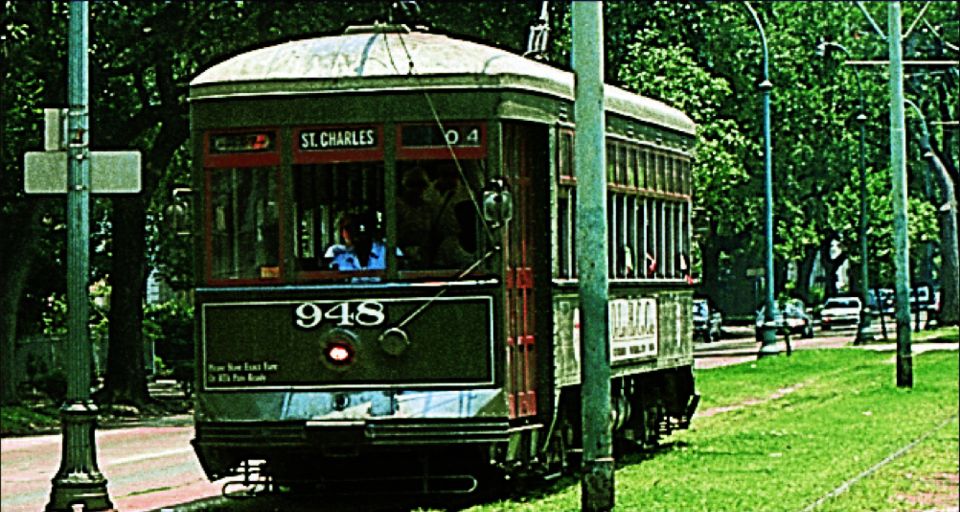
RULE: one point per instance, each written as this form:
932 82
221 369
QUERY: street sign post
69 167
45 172
111 172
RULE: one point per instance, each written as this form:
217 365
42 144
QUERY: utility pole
597 484
899 176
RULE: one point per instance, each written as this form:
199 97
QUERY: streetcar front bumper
223 447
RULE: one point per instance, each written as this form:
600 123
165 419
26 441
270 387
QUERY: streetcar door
521 158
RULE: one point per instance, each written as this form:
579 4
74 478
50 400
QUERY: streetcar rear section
386 289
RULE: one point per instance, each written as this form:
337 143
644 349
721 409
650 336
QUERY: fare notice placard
349 143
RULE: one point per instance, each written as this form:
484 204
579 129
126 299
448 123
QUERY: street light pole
768 345
78 481
863 329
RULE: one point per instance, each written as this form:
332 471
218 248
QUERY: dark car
792 318
707 321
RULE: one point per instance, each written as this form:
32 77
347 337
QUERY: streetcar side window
648 210
243 223
566 222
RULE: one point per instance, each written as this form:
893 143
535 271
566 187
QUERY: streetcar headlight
339 354
339 349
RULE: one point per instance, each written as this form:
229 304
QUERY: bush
170 326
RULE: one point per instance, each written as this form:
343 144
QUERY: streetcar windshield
333 215
341 218
338 216
243 223
437 220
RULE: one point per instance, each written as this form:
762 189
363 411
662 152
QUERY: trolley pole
78 481
899 176
597 484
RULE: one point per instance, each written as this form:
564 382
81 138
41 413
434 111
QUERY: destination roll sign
336 139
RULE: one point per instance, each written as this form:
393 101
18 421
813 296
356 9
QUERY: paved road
144 467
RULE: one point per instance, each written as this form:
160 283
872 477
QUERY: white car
840 311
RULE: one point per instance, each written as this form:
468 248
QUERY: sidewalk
736 351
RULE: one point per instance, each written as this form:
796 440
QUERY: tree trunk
20 238
710 267
949 219
126 377
949 279
805 272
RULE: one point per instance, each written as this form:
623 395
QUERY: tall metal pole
78 481
863 329
899 177
768 345
597 485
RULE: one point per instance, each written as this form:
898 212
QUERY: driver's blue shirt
345 259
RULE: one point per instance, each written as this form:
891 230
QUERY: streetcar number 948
345 314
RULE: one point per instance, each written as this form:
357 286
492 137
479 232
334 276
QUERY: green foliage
28 419
655 68
170 326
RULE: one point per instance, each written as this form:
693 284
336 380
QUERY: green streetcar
386 269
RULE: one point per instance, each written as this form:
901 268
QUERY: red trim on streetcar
440 151
255 156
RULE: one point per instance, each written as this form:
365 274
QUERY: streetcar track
844 487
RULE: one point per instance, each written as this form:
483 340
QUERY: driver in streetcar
361 249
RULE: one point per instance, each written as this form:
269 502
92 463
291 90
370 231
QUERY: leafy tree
25 33
702 57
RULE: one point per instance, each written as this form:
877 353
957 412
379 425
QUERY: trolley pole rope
873 469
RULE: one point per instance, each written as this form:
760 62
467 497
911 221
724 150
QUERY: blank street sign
111 172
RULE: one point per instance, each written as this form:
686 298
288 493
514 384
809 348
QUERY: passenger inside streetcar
437 221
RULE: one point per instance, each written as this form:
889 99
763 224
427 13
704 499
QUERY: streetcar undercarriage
436 456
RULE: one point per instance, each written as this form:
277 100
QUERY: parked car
707 321
792 318
839 311
922 297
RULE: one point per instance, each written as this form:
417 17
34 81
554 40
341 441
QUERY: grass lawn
784 433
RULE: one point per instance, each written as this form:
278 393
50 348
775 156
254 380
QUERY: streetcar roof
393 58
